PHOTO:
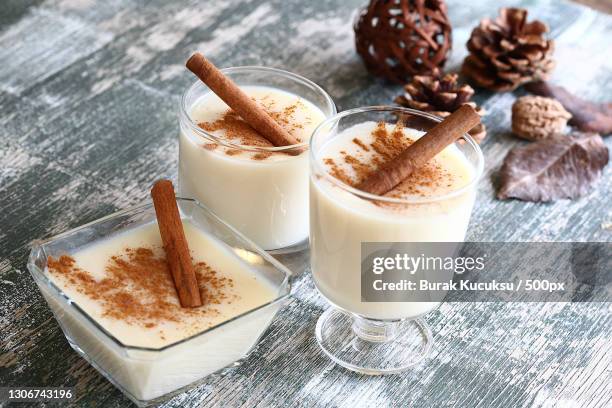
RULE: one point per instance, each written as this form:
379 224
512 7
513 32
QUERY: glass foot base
373 347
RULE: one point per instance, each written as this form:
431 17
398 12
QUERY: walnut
536 117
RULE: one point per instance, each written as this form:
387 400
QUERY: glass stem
374 331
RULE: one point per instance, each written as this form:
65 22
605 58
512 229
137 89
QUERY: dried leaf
553 168
586 116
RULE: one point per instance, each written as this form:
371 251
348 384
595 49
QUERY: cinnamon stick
421 151
240 102
175 244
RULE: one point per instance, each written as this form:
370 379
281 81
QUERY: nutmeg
536 117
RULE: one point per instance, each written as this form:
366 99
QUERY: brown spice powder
236 130
138 287
363 146
337 171
386 145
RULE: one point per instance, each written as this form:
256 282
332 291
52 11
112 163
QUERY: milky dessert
125 285
411 211
258 186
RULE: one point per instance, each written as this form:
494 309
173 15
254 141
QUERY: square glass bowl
152 375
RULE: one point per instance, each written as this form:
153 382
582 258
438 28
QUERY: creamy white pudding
341 220
123 284
257 188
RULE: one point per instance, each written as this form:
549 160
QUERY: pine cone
440 96
508 52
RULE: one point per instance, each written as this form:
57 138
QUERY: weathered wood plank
86 131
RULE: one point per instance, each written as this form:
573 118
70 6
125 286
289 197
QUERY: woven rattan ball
401 38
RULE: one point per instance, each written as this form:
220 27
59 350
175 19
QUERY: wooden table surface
88 98
603 5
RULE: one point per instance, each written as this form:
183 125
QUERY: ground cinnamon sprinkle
138 287
388 145
261 155
337 171
361 144
383 146
236 130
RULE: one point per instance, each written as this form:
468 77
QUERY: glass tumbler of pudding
432 205
260 189
110 288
